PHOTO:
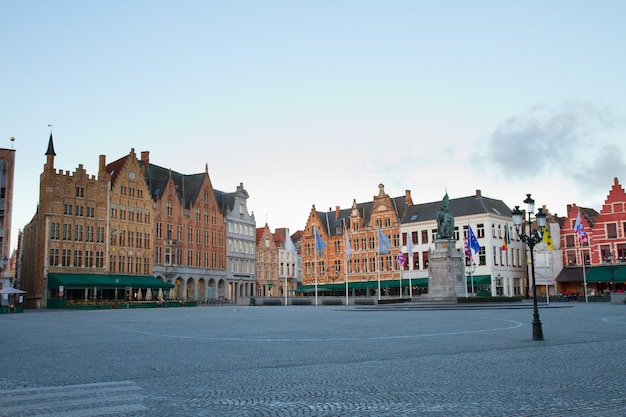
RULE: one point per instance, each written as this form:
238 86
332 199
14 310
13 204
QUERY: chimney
478 194
102 162
337 211
145 157
407 198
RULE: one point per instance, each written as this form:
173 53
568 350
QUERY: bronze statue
445 221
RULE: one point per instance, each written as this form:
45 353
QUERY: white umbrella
148 294
11 290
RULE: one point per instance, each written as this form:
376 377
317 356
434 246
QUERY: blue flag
472 241
319 243
384 245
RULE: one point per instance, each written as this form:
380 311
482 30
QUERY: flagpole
378 266
345 259
287 263
378 270
316 261
582 258
580 232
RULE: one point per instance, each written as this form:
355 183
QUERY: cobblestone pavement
315 361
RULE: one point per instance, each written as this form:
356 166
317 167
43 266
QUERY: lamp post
531 240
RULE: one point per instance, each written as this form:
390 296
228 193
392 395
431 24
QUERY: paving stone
409 360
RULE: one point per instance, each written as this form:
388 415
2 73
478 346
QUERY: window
54 231
67 231
80 191
54 257
65 257
480 230
611 230
424 236
131 175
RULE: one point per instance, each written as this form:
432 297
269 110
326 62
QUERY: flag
580 230
401 259
472 242
547 237
348 247
289 244
319 243
384 245
410 246
507 238
467 250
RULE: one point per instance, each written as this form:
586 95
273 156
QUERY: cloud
547 139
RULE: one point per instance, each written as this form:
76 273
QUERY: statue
445 221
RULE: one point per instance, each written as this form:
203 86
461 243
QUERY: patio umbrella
148 294
139 294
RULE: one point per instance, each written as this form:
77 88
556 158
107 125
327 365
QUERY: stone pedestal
446 279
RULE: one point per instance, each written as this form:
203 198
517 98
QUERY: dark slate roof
50 150
459 207
225 201
332 221
187 186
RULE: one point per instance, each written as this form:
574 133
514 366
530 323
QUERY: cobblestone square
404 360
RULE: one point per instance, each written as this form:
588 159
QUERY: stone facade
268 282
240 243
130 216
7 166
189 233
365 266
68 232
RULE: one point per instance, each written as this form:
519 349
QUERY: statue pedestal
446 273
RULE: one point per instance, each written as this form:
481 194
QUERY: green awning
105 281
606 273
479 280
391 283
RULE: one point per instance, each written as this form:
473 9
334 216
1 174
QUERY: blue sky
319 102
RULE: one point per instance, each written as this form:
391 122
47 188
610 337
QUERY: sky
318 102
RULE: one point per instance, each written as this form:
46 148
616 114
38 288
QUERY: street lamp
534 238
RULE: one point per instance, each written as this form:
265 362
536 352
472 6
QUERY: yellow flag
547 237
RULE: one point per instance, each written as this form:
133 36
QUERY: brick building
7 167
325 271
600 260
189 233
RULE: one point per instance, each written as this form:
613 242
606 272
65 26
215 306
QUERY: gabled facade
189 233
268 282
130 216
68 232
360 225
287 263
240 242
600 261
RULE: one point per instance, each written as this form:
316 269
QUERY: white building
494 270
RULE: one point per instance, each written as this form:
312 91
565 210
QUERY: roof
334 220
573 274
459 207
